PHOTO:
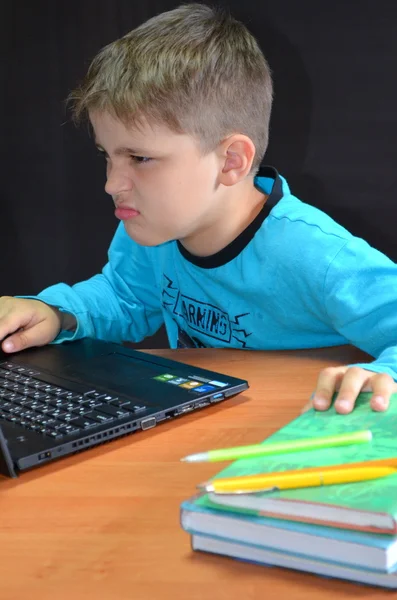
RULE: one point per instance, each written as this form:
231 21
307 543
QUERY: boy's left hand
349 382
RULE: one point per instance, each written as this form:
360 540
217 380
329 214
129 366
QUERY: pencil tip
205 487
192 458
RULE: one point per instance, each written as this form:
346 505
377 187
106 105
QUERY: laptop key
11 418
29 414
38 385
70 407
94 403
8 366
10 396
49 422
123 402
7 385
48 409
55 402
22 378
57 391
84 401
36 426
68 429
109 398
114 411
50 388
16 410
94 394
82 410
84 423
72 396
16 377
135 407
23 400
36 395
48 398
36 405
36 418
62 403
56 435
25 391
58 413
8 377
100 417
68 417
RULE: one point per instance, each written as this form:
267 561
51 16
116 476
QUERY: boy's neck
234 215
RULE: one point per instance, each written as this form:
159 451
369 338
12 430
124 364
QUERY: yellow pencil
286 480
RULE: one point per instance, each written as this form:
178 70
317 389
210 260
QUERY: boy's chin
146 238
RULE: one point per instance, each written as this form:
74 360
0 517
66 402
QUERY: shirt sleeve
120 304
360 296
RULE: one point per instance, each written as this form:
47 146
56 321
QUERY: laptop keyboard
55 411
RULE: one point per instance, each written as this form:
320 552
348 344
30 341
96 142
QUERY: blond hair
195 69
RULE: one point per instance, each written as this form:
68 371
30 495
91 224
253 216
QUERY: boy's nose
116 183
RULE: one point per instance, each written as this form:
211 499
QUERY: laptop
61 399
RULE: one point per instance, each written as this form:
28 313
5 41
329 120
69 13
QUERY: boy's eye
140 160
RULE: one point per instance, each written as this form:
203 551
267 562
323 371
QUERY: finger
26 338
328 381
11 322
352 383
382 387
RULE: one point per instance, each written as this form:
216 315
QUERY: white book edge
269 557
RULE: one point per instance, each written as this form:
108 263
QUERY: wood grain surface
104 524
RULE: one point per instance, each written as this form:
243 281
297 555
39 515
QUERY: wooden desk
104 524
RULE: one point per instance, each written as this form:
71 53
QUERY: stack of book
345 530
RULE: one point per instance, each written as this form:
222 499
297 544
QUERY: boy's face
161 185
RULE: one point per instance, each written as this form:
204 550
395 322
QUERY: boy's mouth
126 213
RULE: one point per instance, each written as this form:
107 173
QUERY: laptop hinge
6 462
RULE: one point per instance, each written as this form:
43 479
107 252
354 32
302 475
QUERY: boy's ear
237 154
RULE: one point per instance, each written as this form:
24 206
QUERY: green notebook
369 505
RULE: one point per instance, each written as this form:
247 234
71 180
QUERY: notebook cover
375 496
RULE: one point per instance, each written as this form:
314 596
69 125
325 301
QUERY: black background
333 129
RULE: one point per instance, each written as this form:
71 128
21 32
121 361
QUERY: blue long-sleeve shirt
293 279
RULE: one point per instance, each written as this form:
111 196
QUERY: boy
180 109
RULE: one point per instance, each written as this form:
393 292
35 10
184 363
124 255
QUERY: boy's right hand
25 323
